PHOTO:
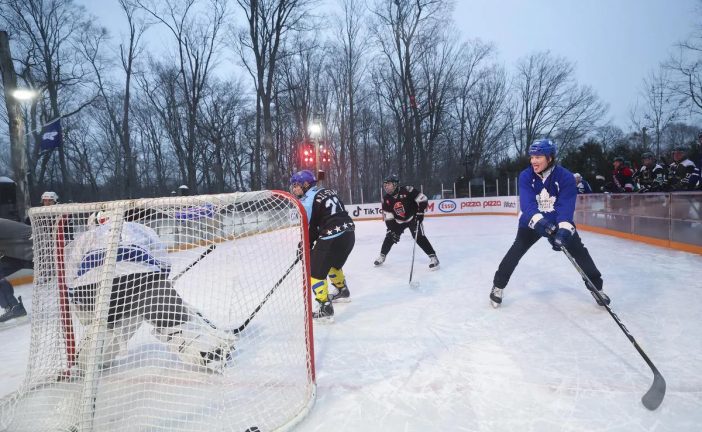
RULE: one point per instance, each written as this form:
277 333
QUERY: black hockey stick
655 394
414 285
197 260
265 299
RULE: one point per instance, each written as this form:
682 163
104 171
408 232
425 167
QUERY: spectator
621 177
651 177
582 184
683 174
599 183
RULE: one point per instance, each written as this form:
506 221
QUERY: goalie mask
96 219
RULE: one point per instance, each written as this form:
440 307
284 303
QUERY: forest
225 102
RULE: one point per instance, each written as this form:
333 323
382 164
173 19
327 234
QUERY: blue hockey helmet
302 177
543 147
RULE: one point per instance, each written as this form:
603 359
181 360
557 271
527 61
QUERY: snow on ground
441 359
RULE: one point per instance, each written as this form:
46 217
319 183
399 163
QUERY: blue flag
51 136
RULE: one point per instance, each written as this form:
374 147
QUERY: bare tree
18 142
404 32
686 65
660 107
196 27
551 103
47 32
117 101
346 72
269 22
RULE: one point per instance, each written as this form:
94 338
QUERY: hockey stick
192 264
654 396
265 299
414 285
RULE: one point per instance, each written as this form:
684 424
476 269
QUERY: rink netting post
119 343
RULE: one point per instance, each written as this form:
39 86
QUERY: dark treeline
221 96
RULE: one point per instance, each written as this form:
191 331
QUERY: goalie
141 291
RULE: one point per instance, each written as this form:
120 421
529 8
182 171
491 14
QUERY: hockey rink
440 358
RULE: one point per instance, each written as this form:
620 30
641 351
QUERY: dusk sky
614 43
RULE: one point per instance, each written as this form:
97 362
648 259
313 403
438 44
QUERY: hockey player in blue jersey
547 195
331 233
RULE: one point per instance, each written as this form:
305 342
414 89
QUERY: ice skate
496 297
13 315
342 296
379 261
325 314
433 262
604 296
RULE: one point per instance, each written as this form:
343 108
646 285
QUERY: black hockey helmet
392 178
390 184
619 159
647 155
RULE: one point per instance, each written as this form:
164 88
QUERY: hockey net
213 333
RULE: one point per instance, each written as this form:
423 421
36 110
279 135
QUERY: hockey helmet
647 155
543 147
619 159
390 183
97 218
302 177
392 178
49 195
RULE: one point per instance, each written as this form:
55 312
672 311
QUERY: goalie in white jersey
141 291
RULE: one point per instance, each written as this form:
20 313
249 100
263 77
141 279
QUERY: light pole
315 130
19 153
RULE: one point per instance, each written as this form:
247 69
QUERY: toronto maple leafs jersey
326 214
552 195
403 204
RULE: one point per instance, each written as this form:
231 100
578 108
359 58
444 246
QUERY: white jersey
139 250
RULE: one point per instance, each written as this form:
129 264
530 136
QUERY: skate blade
14 322
436 267
324 320
495 305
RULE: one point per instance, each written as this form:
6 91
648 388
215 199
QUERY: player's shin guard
321 294
199 342
343 295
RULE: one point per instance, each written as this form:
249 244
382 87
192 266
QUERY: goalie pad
198 342
115 342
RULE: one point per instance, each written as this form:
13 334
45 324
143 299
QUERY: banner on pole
51 136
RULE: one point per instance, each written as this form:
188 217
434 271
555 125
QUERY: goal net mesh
168 314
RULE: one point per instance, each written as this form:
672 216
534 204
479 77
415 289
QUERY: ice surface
442 359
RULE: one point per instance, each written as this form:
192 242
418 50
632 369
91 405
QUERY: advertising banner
507 205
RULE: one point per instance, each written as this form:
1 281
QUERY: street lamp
18 151
315 131
24 94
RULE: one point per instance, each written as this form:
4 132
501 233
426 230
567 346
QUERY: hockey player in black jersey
683 174
331 232
403 207
651 175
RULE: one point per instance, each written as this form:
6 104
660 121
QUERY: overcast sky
614 43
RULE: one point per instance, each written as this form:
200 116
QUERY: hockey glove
561 239
545 227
